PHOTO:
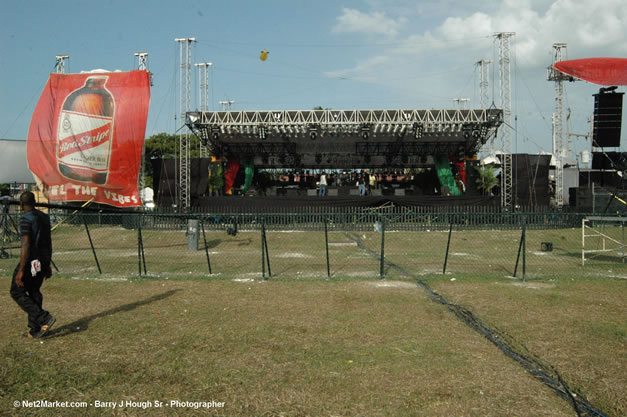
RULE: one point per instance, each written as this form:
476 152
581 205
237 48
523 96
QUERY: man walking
34 266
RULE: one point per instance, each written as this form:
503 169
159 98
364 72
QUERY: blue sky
336 54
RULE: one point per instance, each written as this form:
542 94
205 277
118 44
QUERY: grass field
339 347
303 343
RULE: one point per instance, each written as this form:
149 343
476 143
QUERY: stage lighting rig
347 135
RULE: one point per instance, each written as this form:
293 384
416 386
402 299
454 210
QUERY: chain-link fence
342 245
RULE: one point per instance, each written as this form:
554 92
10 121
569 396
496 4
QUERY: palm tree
487 178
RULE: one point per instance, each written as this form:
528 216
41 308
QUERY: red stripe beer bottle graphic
85 132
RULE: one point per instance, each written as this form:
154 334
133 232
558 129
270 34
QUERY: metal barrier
320 245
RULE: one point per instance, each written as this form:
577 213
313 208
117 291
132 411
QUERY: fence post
139 251
263 249
524 254
448 245
93 250
382 264
140 246
265 254
521 248
265 239
204 238
326 244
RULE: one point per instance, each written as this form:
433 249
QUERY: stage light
418 130
192 118
365 131
483 132
262 132
313 132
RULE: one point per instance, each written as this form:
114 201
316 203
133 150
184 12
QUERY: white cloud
589 28
374 23
431 60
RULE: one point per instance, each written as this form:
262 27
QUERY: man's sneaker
45 327
27 335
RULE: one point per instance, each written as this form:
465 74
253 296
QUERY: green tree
165 146
487 178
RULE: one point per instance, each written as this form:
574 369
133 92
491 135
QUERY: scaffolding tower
484 96
184 104
60 65
484 82
142 60
142 65
203 95
561 150
504 39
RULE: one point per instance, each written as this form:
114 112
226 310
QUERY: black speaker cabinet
608 113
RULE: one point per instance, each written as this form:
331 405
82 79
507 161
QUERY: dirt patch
343 243
534 285
392 284
293 255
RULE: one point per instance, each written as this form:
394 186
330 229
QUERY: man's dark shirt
37 225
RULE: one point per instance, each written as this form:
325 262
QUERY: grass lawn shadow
82 324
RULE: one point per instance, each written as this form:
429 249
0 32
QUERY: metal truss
60 65
507 185
431 119
561 151
344 138
184 104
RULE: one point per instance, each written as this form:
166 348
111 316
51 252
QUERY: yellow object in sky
264 55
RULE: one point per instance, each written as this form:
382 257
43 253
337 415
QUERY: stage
270 204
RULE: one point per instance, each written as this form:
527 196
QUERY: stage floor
286 202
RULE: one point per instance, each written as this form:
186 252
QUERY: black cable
528 361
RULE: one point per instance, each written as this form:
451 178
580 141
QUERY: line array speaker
608 113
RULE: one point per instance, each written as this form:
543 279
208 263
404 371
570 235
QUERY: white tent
13 164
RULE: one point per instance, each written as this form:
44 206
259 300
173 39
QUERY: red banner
602 71
86 137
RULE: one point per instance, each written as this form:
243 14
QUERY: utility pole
184 103
504 39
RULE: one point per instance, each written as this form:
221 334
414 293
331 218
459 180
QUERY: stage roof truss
325 118
344 134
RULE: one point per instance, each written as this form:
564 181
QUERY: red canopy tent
602 71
